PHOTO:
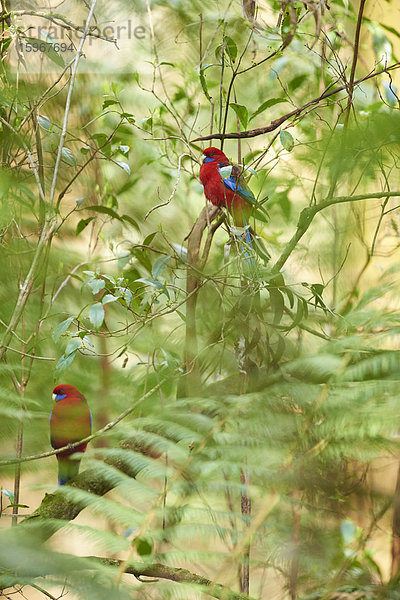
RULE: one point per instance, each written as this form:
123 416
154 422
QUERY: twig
68 101
50 220
307 215
355 57
158 570
98 433
278 122
29 355
173 190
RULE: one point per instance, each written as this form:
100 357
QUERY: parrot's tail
68 468
242 236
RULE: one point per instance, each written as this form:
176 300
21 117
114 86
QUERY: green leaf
8 493
96 285
124 149
64 363
144 546
99 137
287 140
61 328
241 112
44 122
260 249
48 50
203 81
181 251
109 278
148 239
116 88
147 122
160 265
83 223
152 282
299 314
390 29
279 349
226 172
231 48
265 105
298 81
108 103
73 346
68 156
96 315
126 295
108 298
129 117
124 166
129 219
228 47
277 304
104 210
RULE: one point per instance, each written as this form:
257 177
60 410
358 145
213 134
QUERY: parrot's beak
54 397
203 157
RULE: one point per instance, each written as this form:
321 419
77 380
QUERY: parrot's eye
211 154
60 392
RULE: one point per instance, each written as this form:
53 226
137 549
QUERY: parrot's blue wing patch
231 178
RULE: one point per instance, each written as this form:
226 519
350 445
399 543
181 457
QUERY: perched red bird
70 421
224 185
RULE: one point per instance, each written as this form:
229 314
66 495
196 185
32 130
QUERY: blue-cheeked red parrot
70 421
225 186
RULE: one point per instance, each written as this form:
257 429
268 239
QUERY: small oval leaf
242 113
83 223
287 140
44 122
108 298
61 328
96 285
73 346
68 156
96 315
160 265
124 166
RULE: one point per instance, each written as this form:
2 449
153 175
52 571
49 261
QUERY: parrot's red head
213 154
64 391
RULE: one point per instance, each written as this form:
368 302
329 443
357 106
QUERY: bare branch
278 122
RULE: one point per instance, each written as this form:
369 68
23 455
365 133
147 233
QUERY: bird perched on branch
225 186
70 421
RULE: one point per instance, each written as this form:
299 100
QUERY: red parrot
224 185
70 421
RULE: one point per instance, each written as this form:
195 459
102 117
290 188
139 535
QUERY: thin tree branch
160 571
355 57
98 433
29 355
278 122
68 101
307 215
